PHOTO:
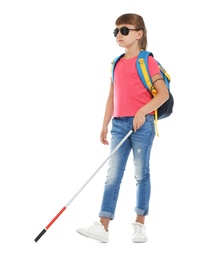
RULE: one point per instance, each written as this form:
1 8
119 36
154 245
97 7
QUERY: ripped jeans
140 142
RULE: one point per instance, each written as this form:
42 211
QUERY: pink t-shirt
129 92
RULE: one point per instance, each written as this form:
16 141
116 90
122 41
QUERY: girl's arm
107 116
157 101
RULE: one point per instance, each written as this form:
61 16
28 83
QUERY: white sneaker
139 234
96 231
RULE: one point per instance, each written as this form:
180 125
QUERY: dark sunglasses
123 31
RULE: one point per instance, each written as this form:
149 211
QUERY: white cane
91 177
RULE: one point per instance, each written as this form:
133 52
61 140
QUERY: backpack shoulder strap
113 64
142 69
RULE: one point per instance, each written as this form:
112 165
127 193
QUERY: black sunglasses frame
123 30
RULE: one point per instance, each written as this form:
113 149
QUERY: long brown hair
138 22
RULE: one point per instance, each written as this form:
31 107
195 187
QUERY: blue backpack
166 108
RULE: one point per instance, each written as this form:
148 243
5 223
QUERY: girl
129 106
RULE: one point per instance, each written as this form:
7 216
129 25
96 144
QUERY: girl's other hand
103 136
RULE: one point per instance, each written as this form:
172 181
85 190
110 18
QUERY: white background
54 80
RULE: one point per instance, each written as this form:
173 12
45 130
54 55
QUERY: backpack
166 108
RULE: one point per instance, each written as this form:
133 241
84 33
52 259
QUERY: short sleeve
153 66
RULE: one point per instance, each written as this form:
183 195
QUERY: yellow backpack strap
145 74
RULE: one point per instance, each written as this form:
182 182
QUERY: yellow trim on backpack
165 72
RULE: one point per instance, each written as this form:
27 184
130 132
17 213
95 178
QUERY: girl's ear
139 34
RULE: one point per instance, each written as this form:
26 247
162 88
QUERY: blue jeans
141 143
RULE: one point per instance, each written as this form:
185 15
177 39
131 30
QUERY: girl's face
127 35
